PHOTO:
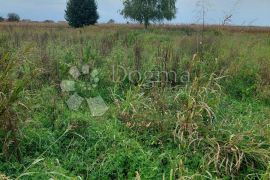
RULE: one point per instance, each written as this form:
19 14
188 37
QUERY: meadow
207 118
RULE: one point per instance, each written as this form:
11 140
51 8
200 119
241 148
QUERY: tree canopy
146 11
81 13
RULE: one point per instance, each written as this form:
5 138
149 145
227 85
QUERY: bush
13 17
1 19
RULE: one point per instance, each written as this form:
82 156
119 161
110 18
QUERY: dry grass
191 27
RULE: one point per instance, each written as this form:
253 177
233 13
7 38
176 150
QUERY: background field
215 125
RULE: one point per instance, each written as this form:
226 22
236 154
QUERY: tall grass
214 124
10 89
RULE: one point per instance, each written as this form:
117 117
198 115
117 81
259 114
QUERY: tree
13 17
48 21
81 13
1 19
111 21
146 11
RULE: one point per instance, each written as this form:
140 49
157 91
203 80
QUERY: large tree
146 11
81 13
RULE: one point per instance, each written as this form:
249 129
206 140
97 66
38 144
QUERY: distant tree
26 20
111 21
62 22
48 21
81 13
146 11
13 17
1 19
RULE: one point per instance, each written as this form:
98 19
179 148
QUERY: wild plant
12 83
138 56
196 115
227 152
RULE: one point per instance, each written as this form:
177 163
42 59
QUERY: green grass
214 126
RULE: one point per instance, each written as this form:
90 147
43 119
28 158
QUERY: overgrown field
208 117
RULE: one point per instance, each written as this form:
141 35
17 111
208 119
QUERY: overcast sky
245 12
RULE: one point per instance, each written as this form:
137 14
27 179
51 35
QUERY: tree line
81 13
11 17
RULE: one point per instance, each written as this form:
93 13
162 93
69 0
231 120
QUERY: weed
215 125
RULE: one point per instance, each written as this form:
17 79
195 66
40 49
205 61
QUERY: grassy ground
211 121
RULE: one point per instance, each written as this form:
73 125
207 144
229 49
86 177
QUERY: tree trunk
146 23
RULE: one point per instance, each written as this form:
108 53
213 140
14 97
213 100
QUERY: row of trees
81 13
11 17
